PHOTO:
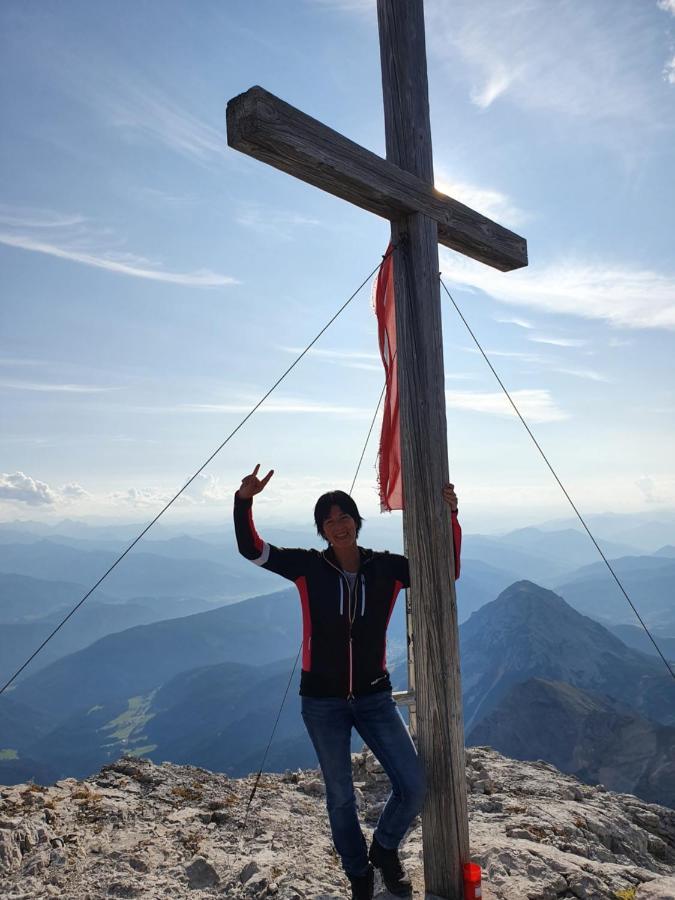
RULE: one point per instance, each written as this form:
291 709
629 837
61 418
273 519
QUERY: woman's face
339 528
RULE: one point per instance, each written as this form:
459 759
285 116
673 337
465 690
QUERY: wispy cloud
348 359
279 223
334 354
138 108
667 6
580 63
669 71
364 367
490 202
548 363
535 405
18 361
588 374
47 387
633 298
510 354
361 7
557 341
75 239
165 199
27 217
277 406
495 83
521 323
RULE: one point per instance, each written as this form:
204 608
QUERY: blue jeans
329 721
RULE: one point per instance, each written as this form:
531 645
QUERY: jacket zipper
350 695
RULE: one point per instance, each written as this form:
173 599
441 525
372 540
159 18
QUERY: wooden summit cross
401 190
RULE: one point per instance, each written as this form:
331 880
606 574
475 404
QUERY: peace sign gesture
251 484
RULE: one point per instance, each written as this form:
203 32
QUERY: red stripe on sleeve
257 540
301 585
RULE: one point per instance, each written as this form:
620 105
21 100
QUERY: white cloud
361 7
535 405
136 107
165 199
333 354
207 488
557 341
496 82
54 388
21 488
667 6
278 406
18 361
579 62
488 201
348 359
74 238
139 498
26 217
200 278
633 298
651 490
74 491
521 323
365 367
510 354
669 71
588 374
279 223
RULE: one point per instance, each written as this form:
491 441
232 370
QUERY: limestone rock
658 889
136 829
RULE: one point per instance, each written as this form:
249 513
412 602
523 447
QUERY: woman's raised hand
450 496
251 484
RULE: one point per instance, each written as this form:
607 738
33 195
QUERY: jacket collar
330 557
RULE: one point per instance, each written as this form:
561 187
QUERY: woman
348 595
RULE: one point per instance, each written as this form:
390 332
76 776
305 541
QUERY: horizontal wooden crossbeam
265 127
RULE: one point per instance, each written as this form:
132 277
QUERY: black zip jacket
344 630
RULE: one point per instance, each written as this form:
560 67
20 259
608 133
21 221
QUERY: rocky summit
137 829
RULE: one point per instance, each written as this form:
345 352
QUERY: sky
155 283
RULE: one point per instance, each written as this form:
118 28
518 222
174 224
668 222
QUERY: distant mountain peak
524 597
668 550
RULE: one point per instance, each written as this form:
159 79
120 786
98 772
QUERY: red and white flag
389 458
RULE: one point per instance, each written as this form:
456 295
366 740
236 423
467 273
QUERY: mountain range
169 662
205 689
585 735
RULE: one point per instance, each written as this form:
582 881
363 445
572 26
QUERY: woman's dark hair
335 498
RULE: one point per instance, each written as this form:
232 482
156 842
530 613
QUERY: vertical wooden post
425 457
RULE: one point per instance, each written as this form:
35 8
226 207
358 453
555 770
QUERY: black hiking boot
362 885
394 875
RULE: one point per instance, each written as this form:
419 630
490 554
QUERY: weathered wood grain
424 458
271 130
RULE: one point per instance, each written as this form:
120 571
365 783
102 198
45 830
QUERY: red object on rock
472 888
